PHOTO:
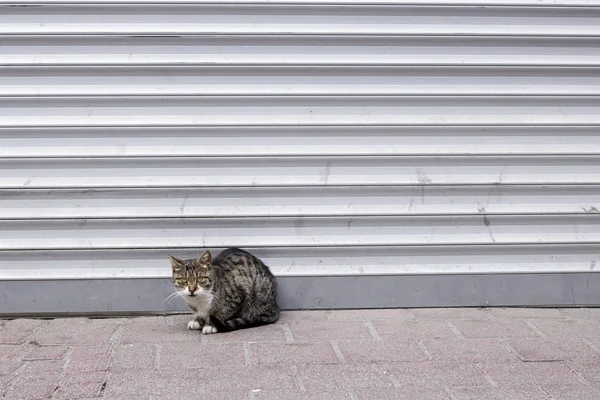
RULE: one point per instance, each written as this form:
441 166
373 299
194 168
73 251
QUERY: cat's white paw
207 329
194 325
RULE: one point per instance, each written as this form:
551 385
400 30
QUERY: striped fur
241 289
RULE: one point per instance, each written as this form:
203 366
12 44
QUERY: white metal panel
298 141
290 50
297 171
298 201
300 232
329 137
317 261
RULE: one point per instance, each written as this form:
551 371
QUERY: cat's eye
184 281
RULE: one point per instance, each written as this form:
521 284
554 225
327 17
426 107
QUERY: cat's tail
241 323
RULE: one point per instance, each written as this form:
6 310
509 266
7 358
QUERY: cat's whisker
171 296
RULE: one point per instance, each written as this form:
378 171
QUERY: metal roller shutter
375 154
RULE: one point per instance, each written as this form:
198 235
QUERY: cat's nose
192 290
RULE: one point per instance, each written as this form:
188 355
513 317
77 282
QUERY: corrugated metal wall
329 137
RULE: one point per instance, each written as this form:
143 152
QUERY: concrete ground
372 354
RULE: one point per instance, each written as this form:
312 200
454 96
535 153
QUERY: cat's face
193 277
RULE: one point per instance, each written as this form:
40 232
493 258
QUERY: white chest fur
201 303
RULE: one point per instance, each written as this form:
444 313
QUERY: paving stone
470 350
300 352
76 331
33 388
9 366
128 384
46 353
409 330
369 351
558 329
89 358
469 313
10 358
304 316
526 312
572 392
10 352
528 374
297 395
443 374
494 328
266 333
257 377
80 385
554 350
134 356
498 393
329 330
193 356
412 393
16 331
158 330
35 380
344 377
583 313
363 315
227 395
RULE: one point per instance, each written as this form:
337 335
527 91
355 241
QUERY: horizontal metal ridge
297 171
323 17
301 232
297 201
281 141
299 110
302 261
375 3
291 50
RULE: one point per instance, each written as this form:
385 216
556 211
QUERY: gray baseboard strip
145 296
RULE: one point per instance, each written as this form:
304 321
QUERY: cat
236 290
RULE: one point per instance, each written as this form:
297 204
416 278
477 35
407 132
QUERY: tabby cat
235 290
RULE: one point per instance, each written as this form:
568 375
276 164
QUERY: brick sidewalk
376 354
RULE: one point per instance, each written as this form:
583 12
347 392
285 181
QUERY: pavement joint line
397 384
424 350
371 328
546 393
158 352
591 345
450 394
287 332
489 379
577 375
115 341
455 330
63 371
297 378
535 329
337 351
510 349
247 358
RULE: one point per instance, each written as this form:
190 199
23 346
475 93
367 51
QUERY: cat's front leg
196 323
209 326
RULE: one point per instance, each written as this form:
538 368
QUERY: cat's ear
205 258
176 263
